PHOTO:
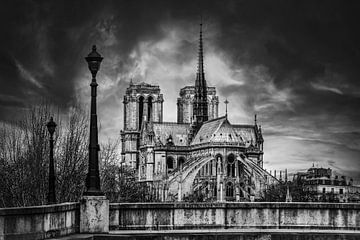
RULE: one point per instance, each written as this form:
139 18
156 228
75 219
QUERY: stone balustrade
48 221
39 222
256 215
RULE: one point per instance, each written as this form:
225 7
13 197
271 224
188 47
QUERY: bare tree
24 157
23 170
71 156
119 181
24 161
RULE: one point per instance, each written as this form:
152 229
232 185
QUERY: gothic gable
217 130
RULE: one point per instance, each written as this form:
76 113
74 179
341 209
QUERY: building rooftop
178 132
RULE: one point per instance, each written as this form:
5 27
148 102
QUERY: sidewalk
152 234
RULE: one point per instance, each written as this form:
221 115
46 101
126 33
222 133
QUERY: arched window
241 169
231 165
181 162
170 163
149 110
142 170
141 110
229 189
231 158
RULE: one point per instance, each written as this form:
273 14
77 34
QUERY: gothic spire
200 110
200 76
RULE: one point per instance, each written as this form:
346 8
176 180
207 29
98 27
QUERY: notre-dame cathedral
201 154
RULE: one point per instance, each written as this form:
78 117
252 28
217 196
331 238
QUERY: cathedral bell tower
200 109
142 102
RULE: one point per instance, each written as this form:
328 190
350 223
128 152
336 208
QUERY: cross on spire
226 104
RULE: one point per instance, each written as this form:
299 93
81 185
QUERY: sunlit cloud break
321 87
26 75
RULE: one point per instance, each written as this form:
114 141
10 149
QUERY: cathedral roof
217 130
178 132
247 133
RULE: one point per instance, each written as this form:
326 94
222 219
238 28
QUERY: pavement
148 234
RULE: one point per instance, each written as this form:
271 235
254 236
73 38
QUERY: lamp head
51 125
94 59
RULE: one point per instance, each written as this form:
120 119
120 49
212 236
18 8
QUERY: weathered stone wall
235 215
62 219
39 222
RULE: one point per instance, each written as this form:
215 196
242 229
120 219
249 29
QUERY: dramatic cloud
293 63
27 75
326 88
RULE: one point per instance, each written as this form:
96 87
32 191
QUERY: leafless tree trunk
71 156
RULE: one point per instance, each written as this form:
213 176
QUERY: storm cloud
293 63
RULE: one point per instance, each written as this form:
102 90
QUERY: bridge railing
39 222
254 215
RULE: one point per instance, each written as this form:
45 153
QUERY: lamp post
93 179
51 125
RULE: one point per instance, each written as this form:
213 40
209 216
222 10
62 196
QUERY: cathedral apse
202 156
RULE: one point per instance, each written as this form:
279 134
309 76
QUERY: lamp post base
94 214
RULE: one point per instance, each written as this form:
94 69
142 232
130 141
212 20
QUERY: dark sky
294 63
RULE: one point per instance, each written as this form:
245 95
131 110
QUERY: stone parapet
257 215
39 222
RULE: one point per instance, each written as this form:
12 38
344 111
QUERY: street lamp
51 125
93 179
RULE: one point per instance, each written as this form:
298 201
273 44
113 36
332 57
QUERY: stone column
145 110
209 190
216 113
137 114
237 192
221 192
94 214
237 181
161 110
126 121
165 192
191 115
218 173
180 188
